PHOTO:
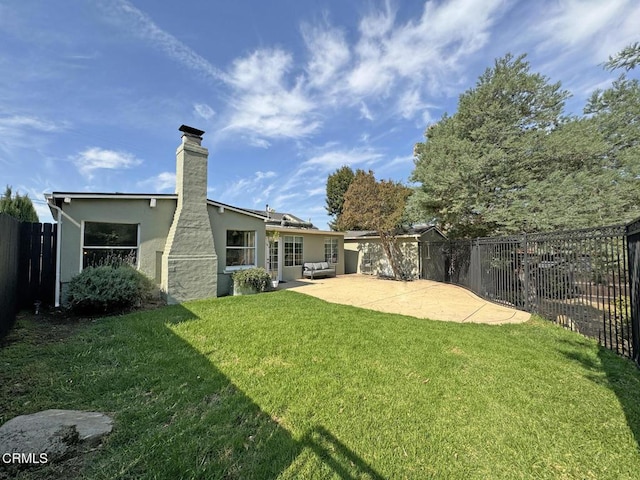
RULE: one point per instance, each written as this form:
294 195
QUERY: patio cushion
324 265
317 266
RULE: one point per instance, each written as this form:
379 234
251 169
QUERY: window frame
84 247
291 239
227 247
333 244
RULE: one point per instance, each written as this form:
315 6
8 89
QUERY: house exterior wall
154 224
230 220
312 251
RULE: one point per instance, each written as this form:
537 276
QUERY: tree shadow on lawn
621 376
202 425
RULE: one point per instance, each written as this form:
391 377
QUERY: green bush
257 278
108 289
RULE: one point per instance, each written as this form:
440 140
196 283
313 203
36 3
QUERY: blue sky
92 92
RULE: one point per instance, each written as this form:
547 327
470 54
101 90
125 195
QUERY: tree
18 206
509 161
628 58
474 166
379 206
337 185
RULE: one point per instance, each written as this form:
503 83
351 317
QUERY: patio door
274 258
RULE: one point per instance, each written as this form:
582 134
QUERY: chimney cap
191 131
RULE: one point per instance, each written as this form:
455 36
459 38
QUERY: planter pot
274 283
243 289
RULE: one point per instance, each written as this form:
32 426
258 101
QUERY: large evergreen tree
508 161
18 206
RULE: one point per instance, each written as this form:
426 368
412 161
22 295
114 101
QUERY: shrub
107 289
257 278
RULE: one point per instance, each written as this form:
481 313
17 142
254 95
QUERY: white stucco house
188 244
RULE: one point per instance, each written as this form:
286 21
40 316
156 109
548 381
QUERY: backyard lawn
282 385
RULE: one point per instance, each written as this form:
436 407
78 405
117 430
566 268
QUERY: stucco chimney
189 261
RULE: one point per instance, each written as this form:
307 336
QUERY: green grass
282 385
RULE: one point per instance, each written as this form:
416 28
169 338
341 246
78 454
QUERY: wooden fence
37 268
27 267
9 251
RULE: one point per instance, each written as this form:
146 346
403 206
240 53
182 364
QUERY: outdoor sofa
318 269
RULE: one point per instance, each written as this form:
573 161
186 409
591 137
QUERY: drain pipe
59 246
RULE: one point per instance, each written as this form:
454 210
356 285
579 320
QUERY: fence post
525 261
632 232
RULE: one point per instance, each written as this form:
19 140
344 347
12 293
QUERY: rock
53 432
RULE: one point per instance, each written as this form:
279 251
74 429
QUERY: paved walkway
420 298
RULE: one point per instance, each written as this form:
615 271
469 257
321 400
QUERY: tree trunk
392 253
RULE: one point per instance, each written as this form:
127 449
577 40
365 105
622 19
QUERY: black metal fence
585 280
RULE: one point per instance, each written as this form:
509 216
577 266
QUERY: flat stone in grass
53 432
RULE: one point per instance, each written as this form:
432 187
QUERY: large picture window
241 249
106 243
331 250
292 251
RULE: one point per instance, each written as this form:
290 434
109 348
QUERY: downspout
58 248
58 237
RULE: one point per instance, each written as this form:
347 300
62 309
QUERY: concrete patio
420 298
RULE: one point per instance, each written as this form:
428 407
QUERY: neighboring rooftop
283 219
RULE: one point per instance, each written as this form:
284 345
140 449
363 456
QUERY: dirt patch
52 325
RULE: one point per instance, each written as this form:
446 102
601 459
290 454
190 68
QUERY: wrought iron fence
585 280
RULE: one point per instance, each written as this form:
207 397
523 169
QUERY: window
292 251
426 251
102 243
241 249
331 250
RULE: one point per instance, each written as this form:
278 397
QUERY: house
364 253
189 245
291 242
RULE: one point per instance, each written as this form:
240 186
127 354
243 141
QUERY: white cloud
263 175
20 122
317 191
250 191
572 22
329 53
160 183
421 53
392 165
365 112
25 131
259 142
139 23
592 28
262 103
204 110
409 103
328 161
96 158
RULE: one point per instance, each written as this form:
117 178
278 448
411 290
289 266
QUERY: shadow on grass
620 375
176 414
624 379
342 460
